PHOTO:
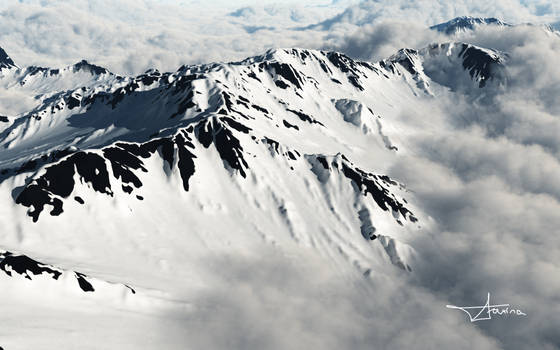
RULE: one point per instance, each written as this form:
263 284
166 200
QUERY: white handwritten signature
485 312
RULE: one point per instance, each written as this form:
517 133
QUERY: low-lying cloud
489 177
280 301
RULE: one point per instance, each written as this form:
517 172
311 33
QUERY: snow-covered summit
455 65
466 23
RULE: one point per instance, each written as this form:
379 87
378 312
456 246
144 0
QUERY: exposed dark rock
479 63
215 131
285 71
304 117
281 84
288 125
88 67
260 109
83 283
5 60
25 266
58 182
252 75
372 184
406 60
185 162
73 102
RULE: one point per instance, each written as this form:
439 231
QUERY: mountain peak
280 55
88 67
5 60
465 23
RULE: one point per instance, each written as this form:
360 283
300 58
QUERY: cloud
492 239
487 175
129 37
13 102
374 42
280 301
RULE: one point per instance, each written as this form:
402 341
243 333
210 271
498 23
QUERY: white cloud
280 302
488 178
132 36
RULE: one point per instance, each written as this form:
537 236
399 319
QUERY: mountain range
293 143
120 184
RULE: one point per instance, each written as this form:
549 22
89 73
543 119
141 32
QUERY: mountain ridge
280 132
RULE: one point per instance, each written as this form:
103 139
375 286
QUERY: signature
485 312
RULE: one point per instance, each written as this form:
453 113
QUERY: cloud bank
297 300
129 37
488 176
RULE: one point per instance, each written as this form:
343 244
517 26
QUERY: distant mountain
41 80
466 23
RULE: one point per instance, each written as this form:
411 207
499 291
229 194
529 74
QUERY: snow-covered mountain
447 64
45 80
123 184
466 23
290 146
